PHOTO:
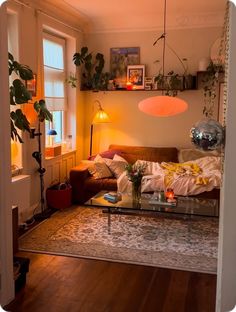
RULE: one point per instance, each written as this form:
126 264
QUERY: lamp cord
164 41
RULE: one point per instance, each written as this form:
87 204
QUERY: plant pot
58 197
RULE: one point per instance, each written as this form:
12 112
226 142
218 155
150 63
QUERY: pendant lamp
164 105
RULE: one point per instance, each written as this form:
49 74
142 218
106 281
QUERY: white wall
226 283
129 126
31 23
192 44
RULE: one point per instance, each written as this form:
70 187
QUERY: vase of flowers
135 173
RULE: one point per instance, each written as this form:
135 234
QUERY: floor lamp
100 117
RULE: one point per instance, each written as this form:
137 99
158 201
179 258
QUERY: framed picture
31 85
120 58
135 74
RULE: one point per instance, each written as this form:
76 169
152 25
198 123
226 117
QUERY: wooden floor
66 284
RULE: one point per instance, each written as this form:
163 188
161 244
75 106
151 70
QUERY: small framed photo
135 75
31 85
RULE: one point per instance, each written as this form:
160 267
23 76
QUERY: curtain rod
48 15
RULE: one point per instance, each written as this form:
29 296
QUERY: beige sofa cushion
99 169
188 154
116 165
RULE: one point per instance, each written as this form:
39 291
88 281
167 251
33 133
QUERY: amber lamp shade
101 117
162 106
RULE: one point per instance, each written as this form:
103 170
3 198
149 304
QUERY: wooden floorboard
67 284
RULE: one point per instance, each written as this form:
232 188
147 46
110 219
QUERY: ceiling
125 15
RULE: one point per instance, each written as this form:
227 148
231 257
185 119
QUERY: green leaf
43 112
25 72
14 134
20 120
20 93
84 51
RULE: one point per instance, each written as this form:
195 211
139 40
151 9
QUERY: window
54 86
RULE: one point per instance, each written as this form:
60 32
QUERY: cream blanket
189 178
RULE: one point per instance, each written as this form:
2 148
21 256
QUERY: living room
122 106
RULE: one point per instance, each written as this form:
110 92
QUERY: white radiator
20 194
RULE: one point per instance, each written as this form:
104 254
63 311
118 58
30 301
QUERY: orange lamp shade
101 117
162 106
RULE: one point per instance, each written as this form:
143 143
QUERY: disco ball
207 134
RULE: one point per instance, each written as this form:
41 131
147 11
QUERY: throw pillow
188 154
99 170
116 165
119 158
151 166
106 154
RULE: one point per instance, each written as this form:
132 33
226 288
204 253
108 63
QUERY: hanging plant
210 87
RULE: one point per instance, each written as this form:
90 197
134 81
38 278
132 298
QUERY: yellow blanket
182 169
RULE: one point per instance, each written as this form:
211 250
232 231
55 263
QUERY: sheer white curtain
54 83
54 73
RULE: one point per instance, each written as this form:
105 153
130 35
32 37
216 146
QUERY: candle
170 194
129 85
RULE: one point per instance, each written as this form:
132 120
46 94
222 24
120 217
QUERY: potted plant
170 83
173 82
93 77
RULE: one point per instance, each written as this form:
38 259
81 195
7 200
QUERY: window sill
16 171
61 155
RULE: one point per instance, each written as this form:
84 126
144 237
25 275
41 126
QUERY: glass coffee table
186 206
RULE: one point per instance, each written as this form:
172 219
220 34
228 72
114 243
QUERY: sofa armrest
78 176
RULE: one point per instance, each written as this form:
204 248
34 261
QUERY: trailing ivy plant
210 87
170 83
93 77
20 95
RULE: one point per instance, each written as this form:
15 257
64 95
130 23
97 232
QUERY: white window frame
61 41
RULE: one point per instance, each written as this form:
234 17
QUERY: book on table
112 196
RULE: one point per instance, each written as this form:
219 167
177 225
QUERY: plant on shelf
72 80
173 82
20 95
93 77
170 83
210 87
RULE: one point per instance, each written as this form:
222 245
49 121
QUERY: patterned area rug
189 244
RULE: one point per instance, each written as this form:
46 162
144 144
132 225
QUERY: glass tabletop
185 205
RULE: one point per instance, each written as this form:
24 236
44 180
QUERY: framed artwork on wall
120 58
135 74
31 85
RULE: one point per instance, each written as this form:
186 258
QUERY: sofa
85 185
